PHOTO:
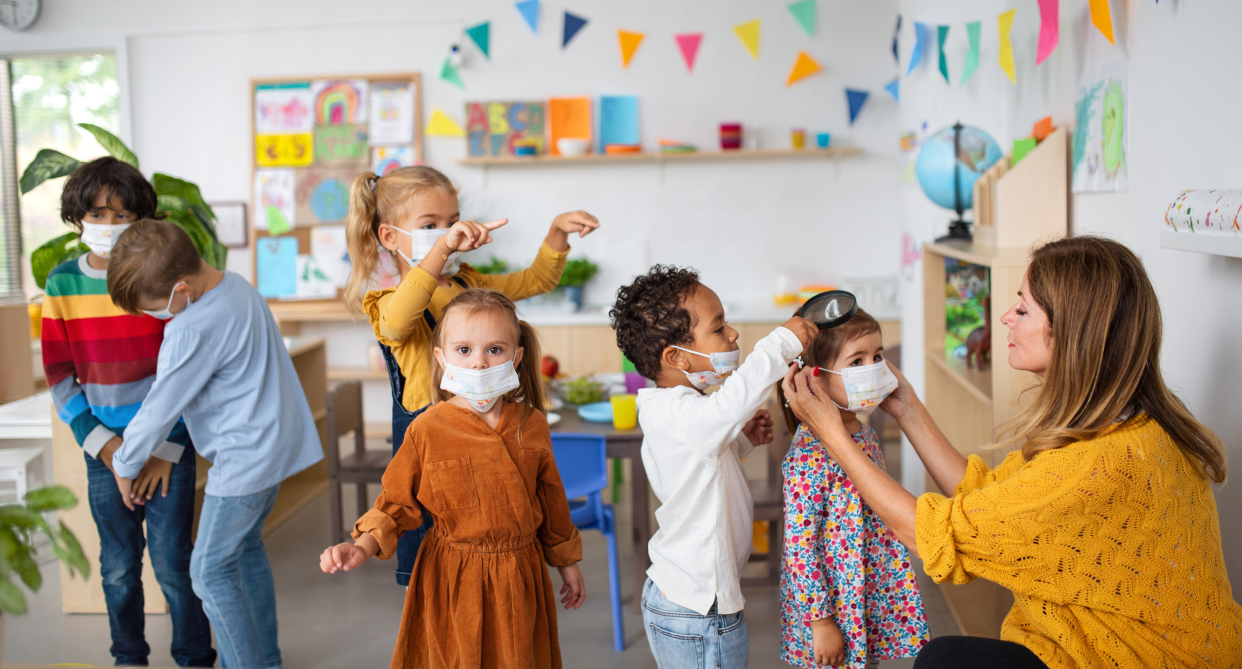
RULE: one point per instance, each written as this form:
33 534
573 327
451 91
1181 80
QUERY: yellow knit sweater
1110 546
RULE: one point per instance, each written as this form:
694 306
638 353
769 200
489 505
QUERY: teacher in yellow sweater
1103 525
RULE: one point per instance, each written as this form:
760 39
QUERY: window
48 96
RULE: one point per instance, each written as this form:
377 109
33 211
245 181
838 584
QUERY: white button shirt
692 450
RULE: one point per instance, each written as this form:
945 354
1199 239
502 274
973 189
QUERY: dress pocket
452 484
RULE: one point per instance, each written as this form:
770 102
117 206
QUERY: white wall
1182 116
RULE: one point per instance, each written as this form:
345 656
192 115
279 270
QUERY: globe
936 162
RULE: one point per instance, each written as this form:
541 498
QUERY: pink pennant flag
689 45
1049 29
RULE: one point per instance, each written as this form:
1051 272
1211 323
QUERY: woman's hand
572 586
899 402
812 406
468 235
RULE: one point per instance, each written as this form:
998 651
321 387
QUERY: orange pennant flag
629 44
804 67
1102 18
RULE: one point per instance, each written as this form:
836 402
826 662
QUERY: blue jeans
684 639
234 579
121 541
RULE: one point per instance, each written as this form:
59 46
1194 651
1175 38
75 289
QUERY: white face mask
423 242
100 238
480 387
166 313
865 387
723 364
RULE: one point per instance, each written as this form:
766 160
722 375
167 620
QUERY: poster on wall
322 194
493 128
385 159
1101 133
331 252
341 102
392 113
282 109
273 195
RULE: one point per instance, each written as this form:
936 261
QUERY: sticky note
1021 147
1042 128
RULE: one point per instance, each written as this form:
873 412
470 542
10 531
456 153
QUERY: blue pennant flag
573 23
893 89
920 43
530 12
896 33
856 99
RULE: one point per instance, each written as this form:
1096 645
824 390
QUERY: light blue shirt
224 367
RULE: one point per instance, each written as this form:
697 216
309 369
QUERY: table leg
642 532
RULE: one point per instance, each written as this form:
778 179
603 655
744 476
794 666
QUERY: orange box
568 117
1043 128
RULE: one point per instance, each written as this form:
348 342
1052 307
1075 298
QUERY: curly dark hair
648 315
134 192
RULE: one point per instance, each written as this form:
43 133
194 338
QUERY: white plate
553 418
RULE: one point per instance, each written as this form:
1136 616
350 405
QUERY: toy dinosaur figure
979 343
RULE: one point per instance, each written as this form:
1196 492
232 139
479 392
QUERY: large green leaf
11 599
170 185
45 258
28 570
111 143
16 515
51 498
203 241
47 164
73 550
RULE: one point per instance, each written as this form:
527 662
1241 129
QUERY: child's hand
827 643
347 556
468 235
154 474
573 589
575 221
125 486
803 329
759 429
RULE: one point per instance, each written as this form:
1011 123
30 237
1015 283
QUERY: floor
351 620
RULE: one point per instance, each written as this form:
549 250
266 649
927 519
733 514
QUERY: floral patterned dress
842 562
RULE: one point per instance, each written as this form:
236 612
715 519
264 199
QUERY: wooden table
622 444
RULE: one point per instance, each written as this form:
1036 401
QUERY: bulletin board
310 137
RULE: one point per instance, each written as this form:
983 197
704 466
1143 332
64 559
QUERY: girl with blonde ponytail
412 214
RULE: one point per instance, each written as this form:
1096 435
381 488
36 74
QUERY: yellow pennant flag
1005 24
629 44
749 34
804 67
1102 18
441 125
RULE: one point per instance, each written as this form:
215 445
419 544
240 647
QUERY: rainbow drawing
340 102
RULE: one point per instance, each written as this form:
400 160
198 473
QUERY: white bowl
571 146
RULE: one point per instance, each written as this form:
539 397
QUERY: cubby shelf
651 157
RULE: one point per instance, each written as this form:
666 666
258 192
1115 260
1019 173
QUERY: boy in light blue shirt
224 368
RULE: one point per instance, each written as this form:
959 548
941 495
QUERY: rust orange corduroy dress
480 595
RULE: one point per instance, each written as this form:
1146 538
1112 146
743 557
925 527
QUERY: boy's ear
674 358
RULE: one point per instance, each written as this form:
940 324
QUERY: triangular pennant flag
893 89
1049 29
481 34
1004 24
629 44
530 12
805 13
1102 18
749 34
804 67
441 125
896 34
573 23
972 56
920 43
450 74
856 99
689 45
941 33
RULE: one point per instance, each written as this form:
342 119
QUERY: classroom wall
1180 115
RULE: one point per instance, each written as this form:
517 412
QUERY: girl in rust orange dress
480 461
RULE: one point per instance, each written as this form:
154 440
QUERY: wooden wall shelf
651 157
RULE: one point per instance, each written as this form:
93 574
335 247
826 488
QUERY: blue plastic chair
583 465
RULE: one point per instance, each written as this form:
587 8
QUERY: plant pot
574 294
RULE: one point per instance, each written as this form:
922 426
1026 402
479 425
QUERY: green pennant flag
972 56
805 13
943 32
481 34
450 74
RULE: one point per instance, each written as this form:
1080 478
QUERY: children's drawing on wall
331 252
392 113
322 195
967 312
342 102
313 280
341 144
385 159
283 150
282 109
273 191
1100 132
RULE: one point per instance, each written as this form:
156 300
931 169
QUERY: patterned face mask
866 387
422 243
481 387
723 364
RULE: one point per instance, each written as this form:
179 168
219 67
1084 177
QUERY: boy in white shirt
673 329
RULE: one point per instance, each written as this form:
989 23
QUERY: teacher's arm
946 466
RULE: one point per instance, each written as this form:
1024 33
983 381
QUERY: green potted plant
493 266
179 202
577 273
18 526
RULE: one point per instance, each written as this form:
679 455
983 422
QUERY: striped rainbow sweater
99 361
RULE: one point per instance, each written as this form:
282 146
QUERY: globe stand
959 230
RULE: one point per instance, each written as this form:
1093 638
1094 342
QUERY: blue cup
823 139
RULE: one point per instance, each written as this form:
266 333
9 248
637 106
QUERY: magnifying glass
830 309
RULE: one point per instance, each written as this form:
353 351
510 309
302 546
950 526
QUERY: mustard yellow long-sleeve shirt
1111 547
396 314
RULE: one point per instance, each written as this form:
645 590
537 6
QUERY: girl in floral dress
848 592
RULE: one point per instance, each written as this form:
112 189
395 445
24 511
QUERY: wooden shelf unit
1017 207
657 157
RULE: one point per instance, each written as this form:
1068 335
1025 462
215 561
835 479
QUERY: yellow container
36 320
624 411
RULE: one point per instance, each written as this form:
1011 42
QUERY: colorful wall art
283 109
1101 128
273 195
392 113
342 102
1206 212
494 128
322 194
385 159
283 150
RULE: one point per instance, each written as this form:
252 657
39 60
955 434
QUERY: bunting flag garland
689 45
573 23
942 33
804 67
1102 18
530 12
972 56
894 90
804 12
441 125
481 35
896 34
920 43
1049 29
856 100
450 74
629 44
1004 24
749 34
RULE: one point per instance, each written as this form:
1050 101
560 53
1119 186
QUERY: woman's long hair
1104 333
473 302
